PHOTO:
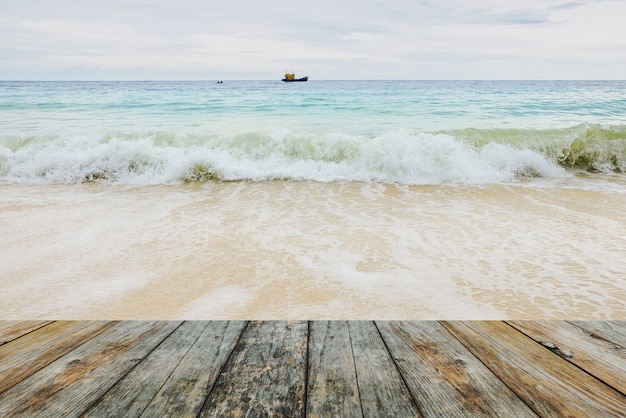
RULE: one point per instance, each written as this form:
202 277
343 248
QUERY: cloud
565 6
327 39
517 17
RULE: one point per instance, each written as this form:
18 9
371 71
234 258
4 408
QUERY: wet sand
294 250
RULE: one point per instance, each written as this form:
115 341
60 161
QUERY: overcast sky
325 39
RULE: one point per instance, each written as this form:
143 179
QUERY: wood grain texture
131 395
382 389
24 356
265 375
10 330
551 385
332 386
187 388
603 359
443 377
610 331
325 368
71 384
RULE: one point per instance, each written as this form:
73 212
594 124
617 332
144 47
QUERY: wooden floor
313 368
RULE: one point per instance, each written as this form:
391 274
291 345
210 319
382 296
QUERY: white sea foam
289 250
428 200
164 158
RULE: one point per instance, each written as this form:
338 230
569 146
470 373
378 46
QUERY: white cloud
327 39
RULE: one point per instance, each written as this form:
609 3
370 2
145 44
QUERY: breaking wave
455 156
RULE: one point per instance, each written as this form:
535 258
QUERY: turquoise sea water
407 132
317 200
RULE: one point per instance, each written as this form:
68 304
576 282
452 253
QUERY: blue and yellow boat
292 77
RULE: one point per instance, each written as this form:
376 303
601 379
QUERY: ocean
316 200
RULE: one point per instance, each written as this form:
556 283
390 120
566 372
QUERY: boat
292 77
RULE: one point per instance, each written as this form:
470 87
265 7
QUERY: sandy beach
281 250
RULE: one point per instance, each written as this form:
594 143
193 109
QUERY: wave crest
596 148
460 156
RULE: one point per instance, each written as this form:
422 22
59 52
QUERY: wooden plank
185 391
131 395
332 387
383 392
71 384
10 330
601 358
550 385
610 331
26 355
265 375
444 378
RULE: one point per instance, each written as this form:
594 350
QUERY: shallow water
290 249
320 200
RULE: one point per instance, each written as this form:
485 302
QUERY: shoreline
292 250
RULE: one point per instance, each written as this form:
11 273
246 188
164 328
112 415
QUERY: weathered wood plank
611 331
550 385
265 375
71 384
10 330
185 391
603 359
444 378
63 368
332 387
131 395
382 391
26 355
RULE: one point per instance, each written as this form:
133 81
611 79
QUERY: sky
324 39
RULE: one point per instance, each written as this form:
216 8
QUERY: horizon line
328 79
